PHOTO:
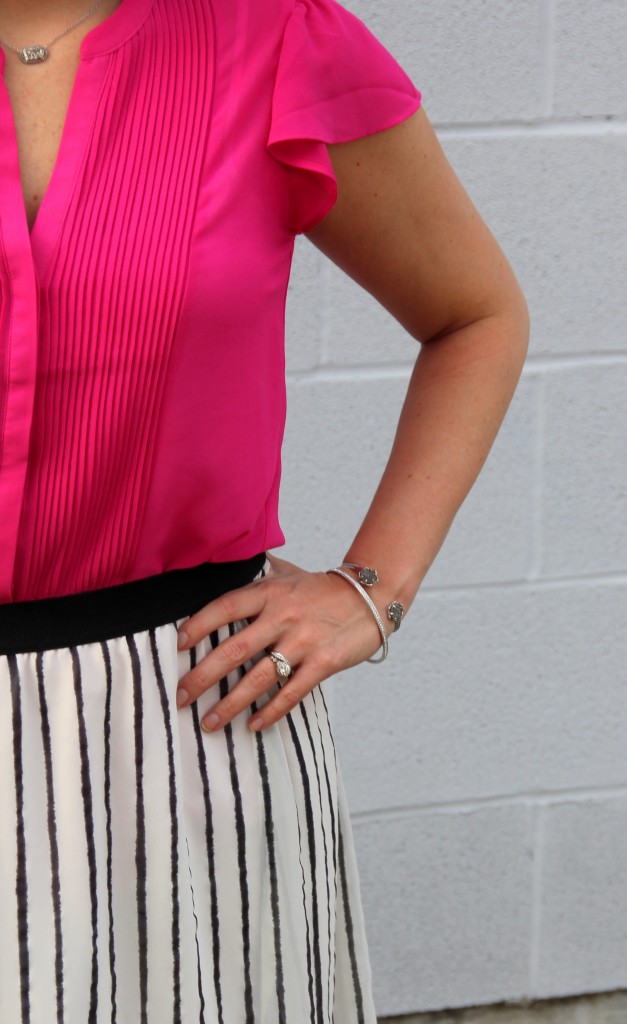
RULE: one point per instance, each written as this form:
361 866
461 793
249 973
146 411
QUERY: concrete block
590 41
471 59
584 475
583 923
558 206
303 310
335 448
493 694
447 900
338 437
359 331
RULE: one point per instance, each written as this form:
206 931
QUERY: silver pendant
33 54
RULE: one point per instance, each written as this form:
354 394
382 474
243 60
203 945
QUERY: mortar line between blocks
357 372
548 54
402 370
540 364
609 124
613 578
502 800
535 568
538 812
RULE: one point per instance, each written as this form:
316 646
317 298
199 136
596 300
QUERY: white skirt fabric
151 873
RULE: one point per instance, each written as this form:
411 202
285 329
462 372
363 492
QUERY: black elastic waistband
94 615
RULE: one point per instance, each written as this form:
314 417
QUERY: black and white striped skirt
152 873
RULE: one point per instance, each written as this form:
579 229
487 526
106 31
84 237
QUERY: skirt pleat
153 873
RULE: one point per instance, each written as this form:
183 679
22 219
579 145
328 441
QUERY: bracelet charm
395 613
366 575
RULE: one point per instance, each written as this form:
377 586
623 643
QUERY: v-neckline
101 40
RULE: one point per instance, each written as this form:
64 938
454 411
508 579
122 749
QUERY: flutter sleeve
335 82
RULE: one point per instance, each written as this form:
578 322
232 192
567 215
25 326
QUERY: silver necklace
38 52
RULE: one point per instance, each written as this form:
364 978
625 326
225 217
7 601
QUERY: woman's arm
404 228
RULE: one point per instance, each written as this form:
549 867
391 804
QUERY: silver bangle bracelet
373 609
369 577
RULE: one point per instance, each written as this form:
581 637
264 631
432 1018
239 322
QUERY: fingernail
182 639
256 723
182 696
210 722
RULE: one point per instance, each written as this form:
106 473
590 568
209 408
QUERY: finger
241 603
252 685
289 696
241 646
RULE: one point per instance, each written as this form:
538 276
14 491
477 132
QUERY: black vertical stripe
310 983
52 837
274 889
104 646
329 729
324 838
344 886
332 801
209 835
270 843
333 811
311 840
140 829
359 1002
89 832
174 830
201 994
198 971
21 880
240 830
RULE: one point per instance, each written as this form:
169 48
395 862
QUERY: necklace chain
35 54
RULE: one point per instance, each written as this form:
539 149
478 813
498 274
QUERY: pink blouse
142 383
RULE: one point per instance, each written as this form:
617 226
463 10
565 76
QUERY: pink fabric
142 383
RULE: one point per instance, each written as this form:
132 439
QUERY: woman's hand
318 621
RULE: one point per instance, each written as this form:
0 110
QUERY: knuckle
247 689
269 671
229 606
252 684
226 709
195 682
289 698
235 649
327 660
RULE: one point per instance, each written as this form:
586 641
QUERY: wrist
384 631
365 578
395 581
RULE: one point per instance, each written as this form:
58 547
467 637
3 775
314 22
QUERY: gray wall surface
486 761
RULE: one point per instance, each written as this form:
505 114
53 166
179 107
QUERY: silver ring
282 665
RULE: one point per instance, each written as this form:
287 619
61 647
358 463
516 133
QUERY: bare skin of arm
407 232
405 229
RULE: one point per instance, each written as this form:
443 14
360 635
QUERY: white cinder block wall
486 761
